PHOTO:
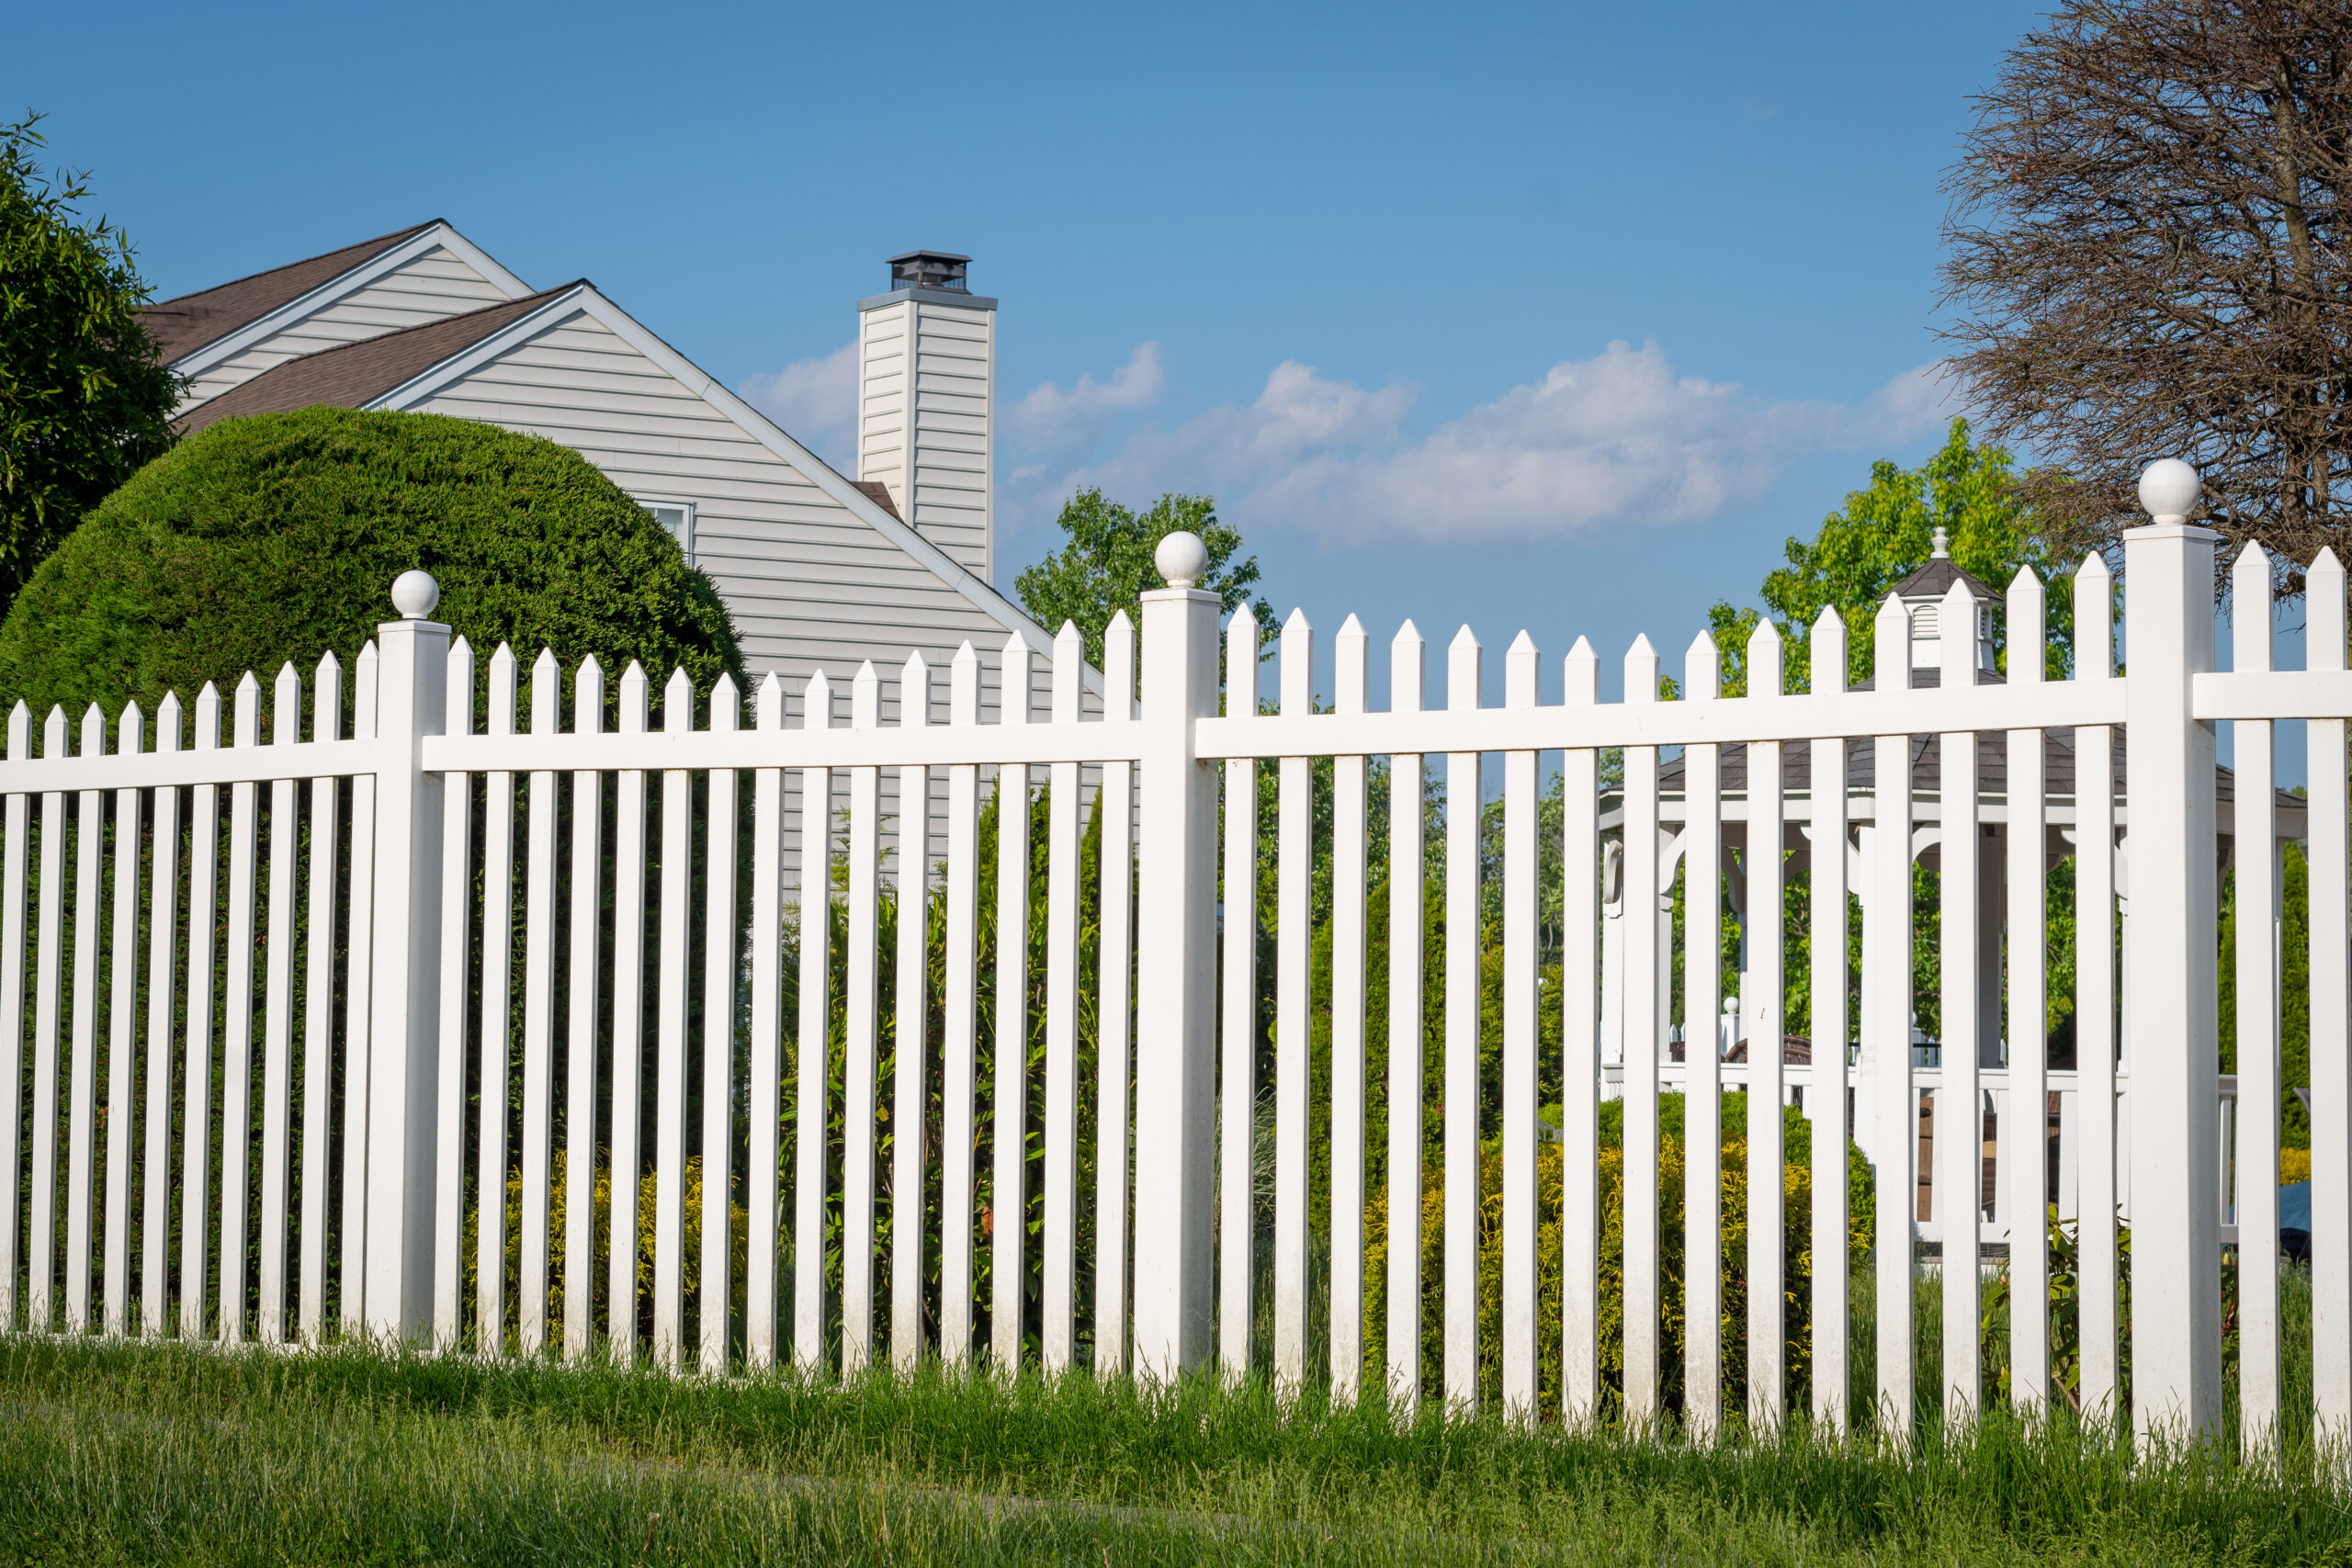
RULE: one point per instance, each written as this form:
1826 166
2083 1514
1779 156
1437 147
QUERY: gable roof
1934 581
183 325
354 375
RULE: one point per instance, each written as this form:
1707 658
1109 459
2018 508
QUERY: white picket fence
376 886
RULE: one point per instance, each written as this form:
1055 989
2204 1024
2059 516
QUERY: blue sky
1559 316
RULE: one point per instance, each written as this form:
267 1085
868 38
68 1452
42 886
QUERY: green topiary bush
277 537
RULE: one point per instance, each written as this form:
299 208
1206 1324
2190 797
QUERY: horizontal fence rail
542 1013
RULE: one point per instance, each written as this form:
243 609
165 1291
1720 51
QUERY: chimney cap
941 270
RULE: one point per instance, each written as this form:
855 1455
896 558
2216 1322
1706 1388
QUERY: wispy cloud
1052 414
1621 436
816 402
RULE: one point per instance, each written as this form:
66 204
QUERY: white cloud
1618 437
816 402
1050 415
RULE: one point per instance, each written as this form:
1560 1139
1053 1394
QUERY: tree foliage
277 537
2147 250
1106 566
82 399
1884 533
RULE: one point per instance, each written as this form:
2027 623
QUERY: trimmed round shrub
277 537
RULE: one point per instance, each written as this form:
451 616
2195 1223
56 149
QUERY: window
678 520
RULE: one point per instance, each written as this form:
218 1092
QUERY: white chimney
925 415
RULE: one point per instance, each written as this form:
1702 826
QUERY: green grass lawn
116 1453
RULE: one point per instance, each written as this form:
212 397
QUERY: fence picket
1521 961
539 1017
1580 979
357 999
121 1060
1294 1008
1702 1187
1958 1178
41 1252
812 1046
670 1041
2256 1202
12 1007
237 1027
764 1062
456 943
1238 1101
1009 1112
720 961
497 1008
154 1230
1463 666
860 1036
1351 657
1825 1096
629 1026
1115 807
1645 1032
90 832
959 1040
1763 868
579 1051
277 1013
196 1126
1886 965
910 1064
1408 667
2095 990
1058 1267
2331 1037
2023 1133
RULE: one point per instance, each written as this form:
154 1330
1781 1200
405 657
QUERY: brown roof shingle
183 325
352 375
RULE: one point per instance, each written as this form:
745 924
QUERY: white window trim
686 532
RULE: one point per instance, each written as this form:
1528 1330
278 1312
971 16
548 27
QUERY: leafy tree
2147 252
82 399
1882 536
277 537
1107 565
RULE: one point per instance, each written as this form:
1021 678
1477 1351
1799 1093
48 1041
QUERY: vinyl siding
432 286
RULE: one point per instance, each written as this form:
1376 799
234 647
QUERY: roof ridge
382 242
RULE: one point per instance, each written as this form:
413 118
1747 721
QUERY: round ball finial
1181 558
2169 489
415 594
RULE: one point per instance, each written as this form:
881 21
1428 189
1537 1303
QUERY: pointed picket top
20 732
1017 684
53 731
1580 675
678 704
1466 664
1641 670
816 703
1407 670
547 694
131 733
1350 655
1703 670
501 690
726 704
914 693
866 698
1891 646
1521 673
1241 664
1956 628
1119 668
2094 607
1070 673
1298 664
634 698
2027 614
1766 675
362 693
767 713
248 721
964 685
326 695
459 718
207 717
2323 613
1826 652
2249 609
588 697
286 707
167 725
94 731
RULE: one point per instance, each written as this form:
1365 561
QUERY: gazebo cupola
1923 593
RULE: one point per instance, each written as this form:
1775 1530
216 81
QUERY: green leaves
84 401
1107 565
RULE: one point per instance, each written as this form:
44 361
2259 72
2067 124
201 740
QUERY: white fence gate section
377 1028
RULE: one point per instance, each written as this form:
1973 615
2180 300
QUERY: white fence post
404 1022
1176 992
2171 1026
